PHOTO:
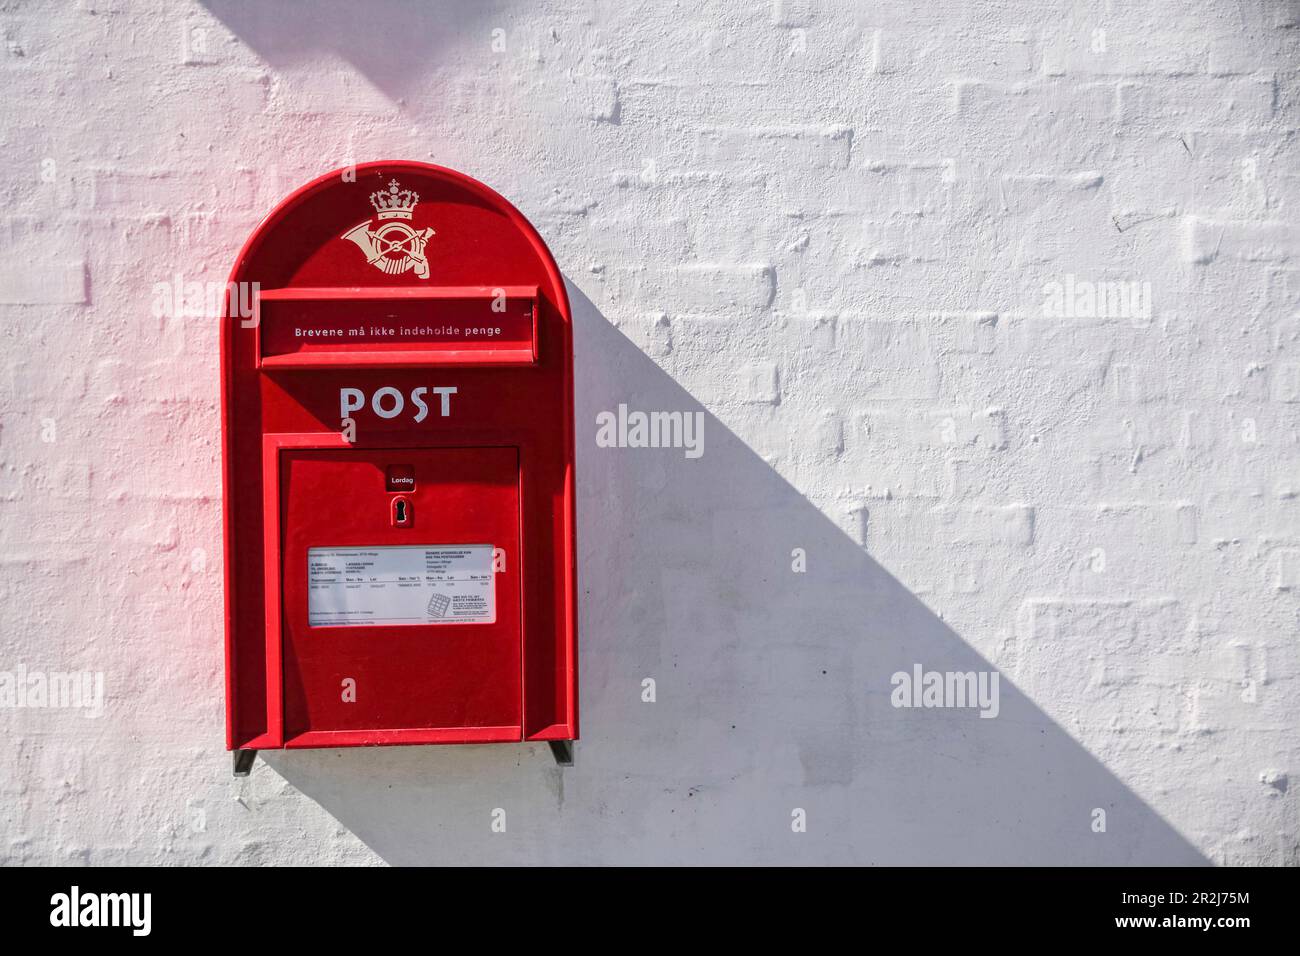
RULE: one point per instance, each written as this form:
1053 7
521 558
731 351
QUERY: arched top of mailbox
403 225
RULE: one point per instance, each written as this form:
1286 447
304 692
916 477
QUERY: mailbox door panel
399 625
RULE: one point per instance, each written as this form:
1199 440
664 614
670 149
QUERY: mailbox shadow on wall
772 694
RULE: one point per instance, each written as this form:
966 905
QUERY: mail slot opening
396 327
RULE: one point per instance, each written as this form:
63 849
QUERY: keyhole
402 513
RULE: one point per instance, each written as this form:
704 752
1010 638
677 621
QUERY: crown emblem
394 202
391 245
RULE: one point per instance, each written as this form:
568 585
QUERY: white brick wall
828 225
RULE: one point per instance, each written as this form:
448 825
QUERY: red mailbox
397 438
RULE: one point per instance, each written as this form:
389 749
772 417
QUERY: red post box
397 439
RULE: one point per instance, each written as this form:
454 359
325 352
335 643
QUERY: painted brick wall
992 311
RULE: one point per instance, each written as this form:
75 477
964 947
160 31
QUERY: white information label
425 584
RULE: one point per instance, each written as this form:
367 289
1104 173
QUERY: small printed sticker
401 585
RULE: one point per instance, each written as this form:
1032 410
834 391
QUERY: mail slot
397 444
